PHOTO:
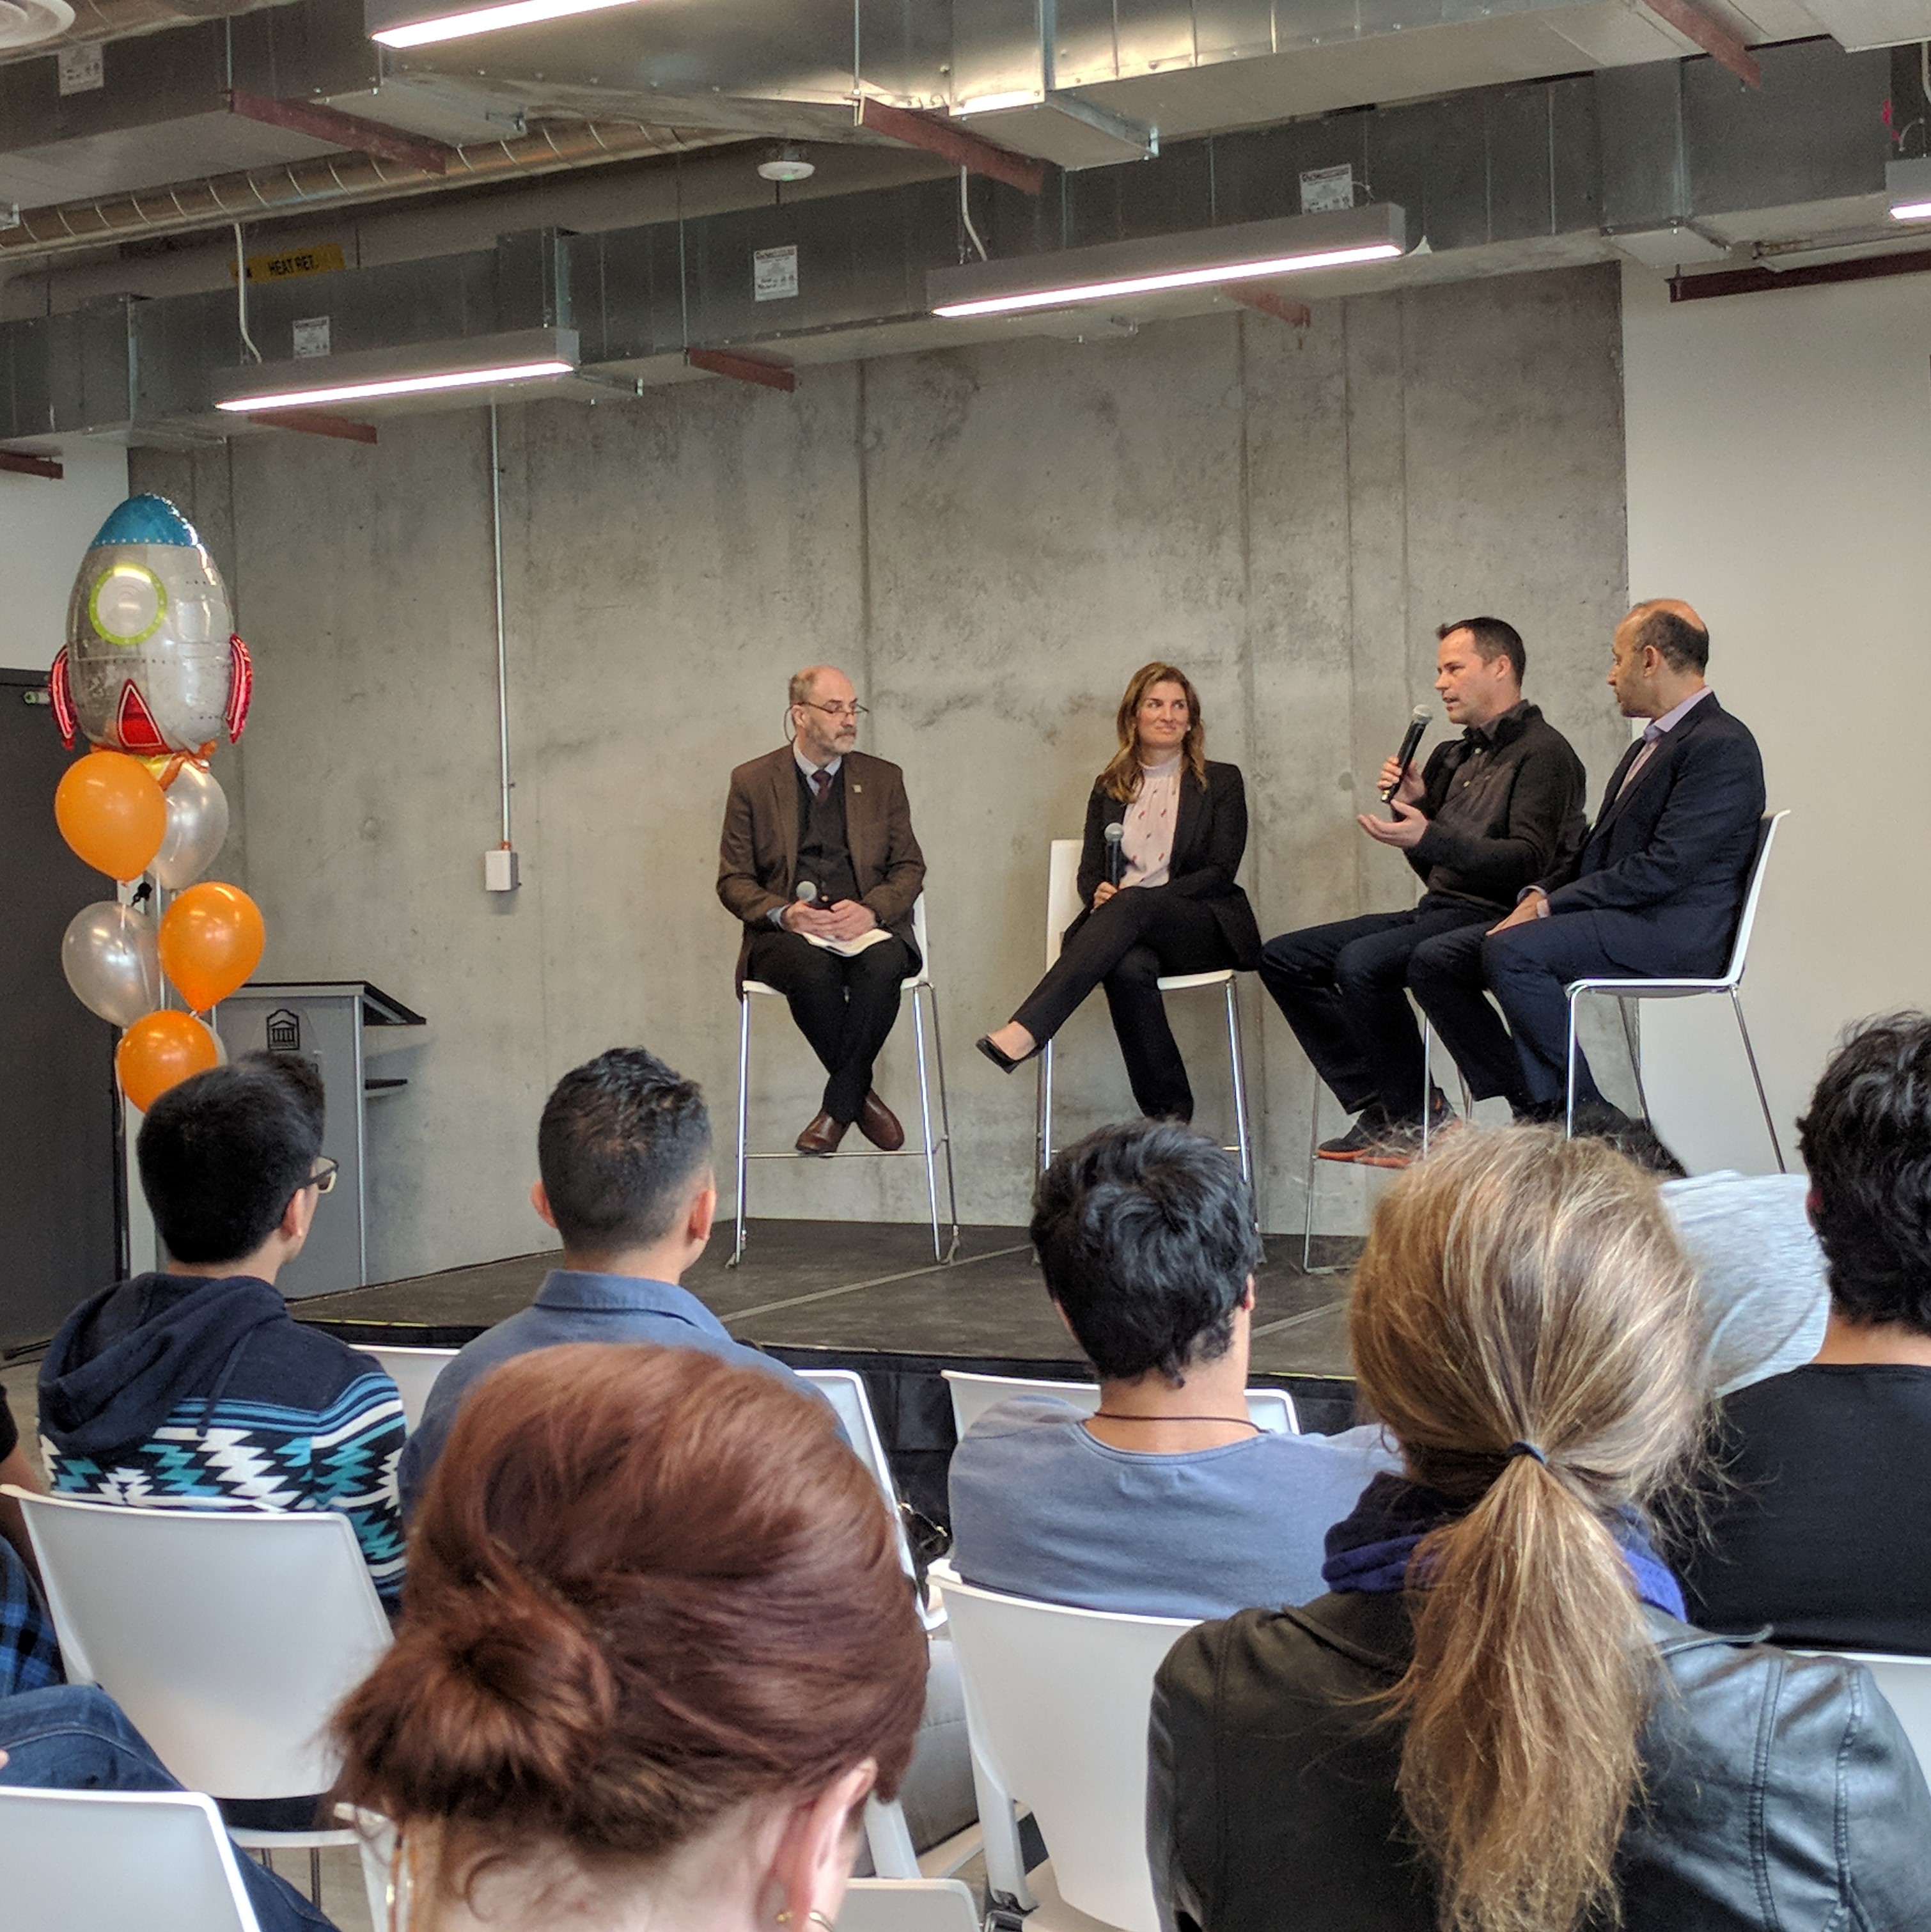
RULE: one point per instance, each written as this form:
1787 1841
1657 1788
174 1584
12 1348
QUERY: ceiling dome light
788 164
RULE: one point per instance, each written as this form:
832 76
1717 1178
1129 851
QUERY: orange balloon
210 940
112 812
160 1050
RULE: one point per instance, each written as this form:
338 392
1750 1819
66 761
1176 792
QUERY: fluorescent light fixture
1247 252
1909 184
402 24
994 103
371 375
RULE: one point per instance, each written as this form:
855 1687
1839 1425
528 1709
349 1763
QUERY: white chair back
1740 951
228 1638
972 1395
414 1372
1056 1702
908 1905
1062 905
844 1389
110 1861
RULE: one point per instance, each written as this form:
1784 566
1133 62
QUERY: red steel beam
744 368
1817 275
18 462
939 135
314 422
343 130
1251 295
1711 35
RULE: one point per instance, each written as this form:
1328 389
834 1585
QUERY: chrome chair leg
925 1116
1237 1066
1630 1040
1763 1100
1045 1148
744 1117
945 1129
1313 1168
1569 1124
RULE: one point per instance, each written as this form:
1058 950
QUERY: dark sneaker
1366 1134
1399 1142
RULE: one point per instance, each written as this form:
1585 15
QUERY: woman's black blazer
1209 839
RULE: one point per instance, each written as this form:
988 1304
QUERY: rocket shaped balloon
151 665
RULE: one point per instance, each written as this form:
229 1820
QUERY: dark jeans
1342 989
74 1737
1142 934
846 1008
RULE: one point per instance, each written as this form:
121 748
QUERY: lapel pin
857 788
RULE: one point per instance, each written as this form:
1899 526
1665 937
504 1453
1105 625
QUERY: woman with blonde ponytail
1498 1719
656 1650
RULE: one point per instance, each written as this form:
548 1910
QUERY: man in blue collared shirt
624 1151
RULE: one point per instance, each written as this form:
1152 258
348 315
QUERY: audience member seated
195 1388
74 1737
1819 1527
1499 1719
624 1150
656 1650
29 1657
1169 1502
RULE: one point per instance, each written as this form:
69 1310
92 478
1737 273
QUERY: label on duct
81 69
323 259
1324 190
311 336
773 274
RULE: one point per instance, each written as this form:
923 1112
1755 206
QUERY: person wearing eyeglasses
194 1387
818 860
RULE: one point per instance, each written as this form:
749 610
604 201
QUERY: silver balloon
197 827
110 960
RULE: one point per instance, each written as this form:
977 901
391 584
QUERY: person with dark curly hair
1821 1528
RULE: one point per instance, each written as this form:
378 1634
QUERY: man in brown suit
817 813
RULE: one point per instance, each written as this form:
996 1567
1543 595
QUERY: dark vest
823 856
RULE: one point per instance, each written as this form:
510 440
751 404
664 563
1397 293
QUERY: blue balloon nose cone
151 520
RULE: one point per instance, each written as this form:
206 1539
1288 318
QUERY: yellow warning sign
324 258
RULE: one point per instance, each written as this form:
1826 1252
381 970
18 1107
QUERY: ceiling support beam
1760 281
1264 301
939 136
343 130
767 375
315 422
20 462
1711 35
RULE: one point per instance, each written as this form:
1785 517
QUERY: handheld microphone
807 893
1115 833
1418 725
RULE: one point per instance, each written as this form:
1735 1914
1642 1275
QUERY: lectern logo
284 1031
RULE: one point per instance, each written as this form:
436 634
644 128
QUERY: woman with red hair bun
656 1649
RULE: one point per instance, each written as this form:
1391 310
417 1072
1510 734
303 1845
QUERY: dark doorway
59 1233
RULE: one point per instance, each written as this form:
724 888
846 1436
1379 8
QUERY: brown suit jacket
758 856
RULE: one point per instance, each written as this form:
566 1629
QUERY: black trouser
1448 979
846 1008
1142 934
1341 988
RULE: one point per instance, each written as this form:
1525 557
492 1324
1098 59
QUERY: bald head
1673 629
805 683
824 713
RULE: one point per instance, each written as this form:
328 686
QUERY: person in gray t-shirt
1759 1272
1169 1502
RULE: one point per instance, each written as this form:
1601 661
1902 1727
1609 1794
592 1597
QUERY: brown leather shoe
880 1125
822 1136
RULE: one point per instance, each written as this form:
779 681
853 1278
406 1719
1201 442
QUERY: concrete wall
45 529
1775 461
990 541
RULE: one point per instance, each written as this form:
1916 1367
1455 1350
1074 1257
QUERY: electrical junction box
500 871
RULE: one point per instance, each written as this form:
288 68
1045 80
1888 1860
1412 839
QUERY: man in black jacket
1654 892
1499 806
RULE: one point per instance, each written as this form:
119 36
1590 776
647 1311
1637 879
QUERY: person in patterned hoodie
195 1388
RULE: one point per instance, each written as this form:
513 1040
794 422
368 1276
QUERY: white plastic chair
928 1150
1731 982
1063 908
414 1372
113 1861
1057 1705
897 1905
1270 1409
227 1637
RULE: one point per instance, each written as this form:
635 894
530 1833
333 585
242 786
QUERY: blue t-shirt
1042 1509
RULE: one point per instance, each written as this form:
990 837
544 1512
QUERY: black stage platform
869 1296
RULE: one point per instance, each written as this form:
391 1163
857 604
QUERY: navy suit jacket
1666 864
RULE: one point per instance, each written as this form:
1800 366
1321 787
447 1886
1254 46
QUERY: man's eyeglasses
323 1179
839 710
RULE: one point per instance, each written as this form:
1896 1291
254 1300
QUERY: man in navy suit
1653 893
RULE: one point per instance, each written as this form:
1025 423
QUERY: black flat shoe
1004 1062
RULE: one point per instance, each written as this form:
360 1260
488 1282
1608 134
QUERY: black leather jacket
1781 1795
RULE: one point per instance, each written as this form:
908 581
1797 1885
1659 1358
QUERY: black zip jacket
1501 813
1779 1791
